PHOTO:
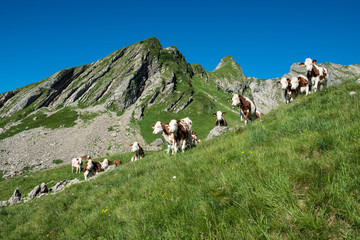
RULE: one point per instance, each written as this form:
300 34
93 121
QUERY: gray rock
217 131
15 198
114 134
38 191
157 142
60 186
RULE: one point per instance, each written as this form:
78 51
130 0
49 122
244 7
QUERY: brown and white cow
77 164
115 162
163 129
247 107
91 168
315 74
300 84
138 150
220 121
182 130
286 86
195 139
105 163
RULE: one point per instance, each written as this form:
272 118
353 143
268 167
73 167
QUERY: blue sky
41 37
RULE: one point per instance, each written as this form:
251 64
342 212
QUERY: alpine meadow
290 174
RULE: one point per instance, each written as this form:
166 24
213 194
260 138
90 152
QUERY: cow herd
314 79
180 134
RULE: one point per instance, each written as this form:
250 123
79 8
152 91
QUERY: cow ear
131 145
302 64
224 113
214 114
194 132
153 126
278 82
314 61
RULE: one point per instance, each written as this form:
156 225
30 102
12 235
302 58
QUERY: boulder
157 142
217 131
38 191
15 198
58 187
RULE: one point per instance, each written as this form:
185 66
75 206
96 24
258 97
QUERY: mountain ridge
134 86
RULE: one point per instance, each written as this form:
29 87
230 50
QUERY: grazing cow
104 163
286 86
247 107
115 162
182 130
195 138
300 84
77 164
220 121
163 129
92 168
138 150
315 74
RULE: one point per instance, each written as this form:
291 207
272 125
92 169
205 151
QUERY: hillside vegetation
292 174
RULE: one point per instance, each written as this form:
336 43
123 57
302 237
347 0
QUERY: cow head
219 115
104 163
308 64
157 128
173 126
294 83
235 100
284 82
135 147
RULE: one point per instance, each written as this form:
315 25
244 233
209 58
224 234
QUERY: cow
315 74
195 139
220 121
92 168
138 150
247 107
182 130
115 162
163 129
286 86
300 84
77 164
104 163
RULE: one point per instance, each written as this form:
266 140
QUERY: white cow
163 129
315 74
300 84
77 164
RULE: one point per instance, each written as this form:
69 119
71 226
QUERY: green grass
65 117
291 175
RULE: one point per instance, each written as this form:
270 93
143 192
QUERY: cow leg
246 117
183 145
174 148
86 173
168 149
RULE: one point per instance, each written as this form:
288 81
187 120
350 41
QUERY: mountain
102 107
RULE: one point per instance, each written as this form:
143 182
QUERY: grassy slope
199 111
291 175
